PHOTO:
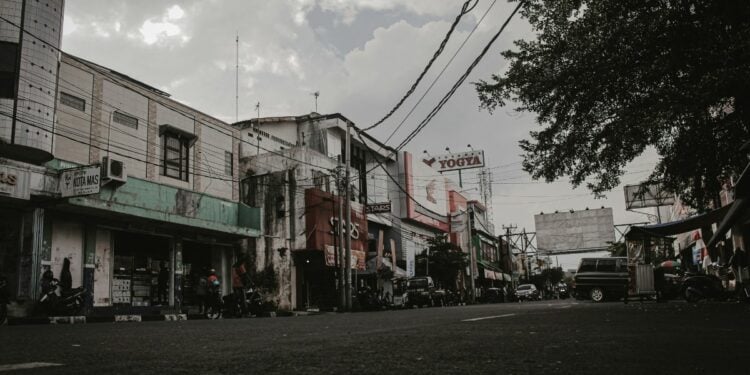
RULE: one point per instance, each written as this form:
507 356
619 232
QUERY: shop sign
80 181
14 182
377 208
335 228
452 162
357 259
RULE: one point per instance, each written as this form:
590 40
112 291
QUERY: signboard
14 182
461 160
647 195
427 188
587 230
80 181
357 259
322 224
377 208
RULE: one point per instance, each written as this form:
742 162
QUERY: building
113 175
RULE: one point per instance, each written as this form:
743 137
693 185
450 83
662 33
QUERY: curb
138 318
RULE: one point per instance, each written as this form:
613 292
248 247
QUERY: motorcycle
214 305
696 287
233 306
4 299
62 303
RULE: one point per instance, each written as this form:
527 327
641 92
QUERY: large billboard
461 160
574 231
322 224
429 197
647 195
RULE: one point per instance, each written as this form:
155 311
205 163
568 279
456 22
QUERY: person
162 283
213 298
47 279
239 272
201 290
66 279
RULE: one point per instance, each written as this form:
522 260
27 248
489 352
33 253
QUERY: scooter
214 305
233 306
696 287
63 303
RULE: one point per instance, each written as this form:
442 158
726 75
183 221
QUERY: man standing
239 274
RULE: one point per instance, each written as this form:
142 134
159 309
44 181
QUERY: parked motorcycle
214 305
233 306
696 287
54 302
4 299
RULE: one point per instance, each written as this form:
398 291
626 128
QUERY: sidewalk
137 318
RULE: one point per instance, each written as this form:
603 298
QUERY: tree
609 79
617 249
446 261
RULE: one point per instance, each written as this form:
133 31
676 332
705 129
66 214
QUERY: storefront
317 266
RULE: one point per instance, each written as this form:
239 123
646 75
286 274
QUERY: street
560 337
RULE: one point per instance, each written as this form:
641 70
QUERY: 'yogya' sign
461 160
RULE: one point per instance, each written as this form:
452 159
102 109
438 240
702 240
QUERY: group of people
207 286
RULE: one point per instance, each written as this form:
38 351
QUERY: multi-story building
113 175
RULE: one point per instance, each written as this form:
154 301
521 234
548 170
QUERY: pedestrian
66 279
47 279
162 283
201 290
239 274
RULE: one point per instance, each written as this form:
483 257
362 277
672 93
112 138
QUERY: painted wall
67 242
123 141
73 126
103 260
214 144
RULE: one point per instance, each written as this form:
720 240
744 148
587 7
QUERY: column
89 251
175 294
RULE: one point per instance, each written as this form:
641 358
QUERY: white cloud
159 30
175 13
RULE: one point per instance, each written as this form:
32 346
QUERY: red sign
322 225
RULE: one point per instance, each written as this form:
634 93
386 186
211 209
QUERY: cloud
164 29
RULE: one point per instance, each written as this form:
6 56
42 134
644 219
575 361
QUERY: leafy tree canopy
446 261
608 79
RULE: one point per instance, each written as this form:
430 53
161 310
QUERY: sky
360 55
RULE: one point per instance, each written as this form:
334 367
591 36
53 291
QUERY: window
176 156
587 265
606 265
228 163
124 119
321 181
8 61
73 101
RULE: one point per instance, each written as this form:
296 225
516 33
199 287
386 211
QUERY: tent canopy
677 227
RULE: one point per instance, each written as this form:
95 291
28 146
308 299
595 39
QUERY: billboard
647 195
322 224
429 197
461 160
574 231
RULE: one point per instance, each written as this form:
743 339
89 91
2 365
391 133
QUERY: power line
464 10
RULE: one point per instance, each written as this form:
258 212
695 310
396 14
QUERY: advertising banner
322 225
461 160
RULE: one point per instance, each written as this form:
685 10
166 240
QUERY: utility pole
525 254
348 237
509 254
472 256
237 79
340 228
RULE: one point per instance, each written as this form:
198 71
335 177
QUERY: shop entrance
138 260
197 260
316 283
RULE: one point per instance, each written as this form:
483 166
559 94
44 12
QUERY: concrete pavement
560 337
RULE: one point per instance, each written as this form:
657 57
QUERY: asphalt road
561 337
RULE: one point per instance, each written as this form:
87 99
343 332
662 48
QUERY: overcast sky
361 55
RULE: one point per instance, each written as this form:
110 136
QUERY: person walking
239 275
201 291
66 279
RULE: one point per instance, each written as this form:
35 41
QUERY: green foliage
617 249
446 261
609 79
265 279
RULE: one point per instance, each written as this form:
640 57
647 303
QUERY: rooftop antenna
257 110
316 94
237 78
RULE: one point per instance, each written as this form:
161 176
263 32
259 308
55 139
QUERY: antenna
257 109
316 94
237 78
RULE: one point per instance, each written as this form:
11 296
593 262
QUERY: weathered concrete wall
103 261
122 141
67 242
71 122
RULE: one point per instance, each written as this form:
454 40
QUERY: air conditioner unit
113 170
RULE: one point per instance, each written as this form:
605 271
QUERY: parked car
600 279
420 291
493 295
527 292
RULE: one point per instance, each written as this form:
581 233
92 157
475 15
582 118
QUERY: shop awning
738 210
371 268
677 227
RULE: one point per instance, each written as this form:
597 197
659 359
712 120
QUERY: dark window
8 73
73 101
124 119
587 265
228 163
321 181
606 265
176 156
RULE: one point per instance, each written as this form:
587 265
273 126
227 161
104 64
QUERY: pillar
175 294
89 251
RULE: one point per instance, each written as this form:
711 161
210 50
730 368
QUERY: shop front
318 266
